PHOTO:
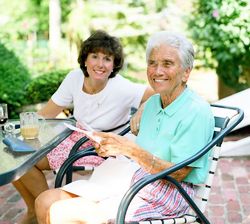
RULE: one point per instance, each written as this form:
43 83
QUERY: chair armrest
74 149
68 162
125 131
136 187
77 145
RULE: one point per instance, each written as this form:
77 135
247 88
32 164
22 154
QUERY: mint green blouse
178 131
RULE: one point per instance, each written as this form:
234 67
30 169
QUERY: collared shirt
178 131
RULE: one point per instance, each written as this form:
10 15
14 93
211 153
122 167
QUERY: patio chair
226 118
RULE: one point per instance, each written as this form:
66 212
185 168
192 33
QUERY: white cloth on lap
111 179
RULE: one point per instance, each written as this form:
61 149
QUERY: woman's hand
135 120
112 145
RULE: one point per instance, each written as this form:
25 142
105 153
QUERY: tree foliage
48 83
222 32
14 77
132 21
30 16
17 20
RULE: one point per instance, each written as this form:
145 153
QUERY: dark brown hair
100 41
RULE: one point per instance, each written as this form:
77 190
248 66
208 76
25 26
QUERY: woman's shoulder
197 99
119 79
154 98
119 83
153 102
123 80
75 73
199 105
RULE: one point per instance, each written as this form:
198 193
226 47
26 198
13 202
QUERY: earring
85 65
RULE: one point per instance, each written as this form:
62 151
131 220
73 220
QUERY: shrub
221 30
14 76
41 88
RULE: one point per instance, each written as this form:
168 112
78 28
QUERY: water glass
29 125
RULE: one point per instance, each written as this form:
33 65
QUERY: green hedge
14 77
41 88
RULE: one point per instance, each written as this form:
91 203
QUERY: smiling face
99 66
165 72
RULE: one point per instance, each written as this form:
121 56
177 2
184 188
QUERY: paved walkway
229 199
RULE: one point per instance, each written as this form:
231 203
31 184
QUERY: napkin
17 145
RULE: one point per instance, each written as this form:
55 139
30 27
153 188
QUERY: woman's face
99 65
165 73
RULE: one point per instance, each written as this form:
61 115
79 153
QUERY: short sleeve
64 95
133 91
139 90
193 133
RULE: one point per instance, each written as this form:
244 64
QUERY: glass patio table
14 164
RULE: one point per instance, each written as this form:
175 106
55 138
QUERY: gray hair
178 41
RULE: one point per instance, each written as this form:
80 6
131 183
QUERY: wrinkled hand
112 145
135 121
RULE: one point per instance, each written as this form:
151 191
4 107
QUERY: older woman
175 124
101 98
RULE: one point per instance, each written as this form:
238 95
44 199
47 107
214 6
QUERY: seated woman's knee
43 201
43 164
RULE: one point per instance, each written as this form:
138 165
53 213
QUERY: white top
102 111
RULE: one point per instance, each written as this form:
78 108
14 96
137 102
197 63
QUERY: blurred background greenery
39 40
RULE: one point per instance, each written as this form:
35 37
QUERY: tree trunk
54 29
224 90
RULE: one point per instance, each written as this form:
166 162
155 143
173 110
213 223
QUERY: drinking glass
29 125
3 114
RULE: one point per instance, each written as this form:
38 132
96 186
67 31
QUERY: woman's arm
153 164
148 92
113 145
158 165
135 119
50 110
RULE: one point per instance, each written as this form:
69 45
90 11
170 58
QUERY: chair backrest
222 116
